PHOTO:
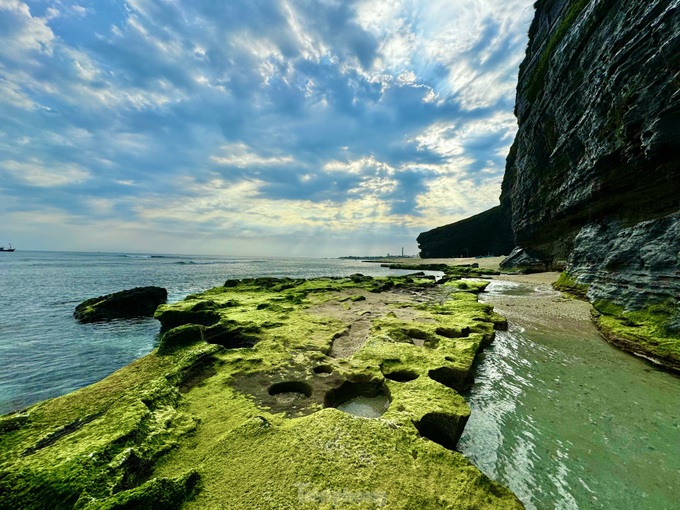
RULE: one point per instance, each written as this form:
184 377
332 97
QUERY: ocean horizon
47 353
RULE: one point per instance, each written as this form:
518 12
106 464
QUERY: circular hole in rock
290 391
367 400
323 370
402 376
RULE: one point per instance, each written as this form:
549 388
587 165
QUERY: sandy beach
484 262
547 305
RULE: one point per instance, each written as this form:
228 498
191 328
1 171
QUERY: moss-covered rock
451 271
567 284
237 407
649 333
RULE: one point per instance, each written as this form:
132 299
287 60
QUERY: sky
252 127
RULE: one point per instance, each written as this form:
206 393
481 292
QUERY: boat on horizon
2 248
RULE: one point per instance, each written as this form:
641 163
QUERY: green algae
537 80
567 284
475 286
235 408
647 332
451 271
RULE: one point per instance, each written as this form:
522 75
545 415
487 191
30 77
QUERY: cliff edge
598 107
593 177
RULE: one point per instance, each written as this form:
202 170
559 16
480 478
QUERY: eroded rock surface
240 407
616 262
525 260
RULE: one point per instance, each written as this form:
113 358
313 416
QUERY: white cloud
40 174
242 156
414 39
260 120
13 95
23 33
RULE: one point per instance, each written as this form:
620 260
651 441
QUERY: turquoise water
569 422
45 353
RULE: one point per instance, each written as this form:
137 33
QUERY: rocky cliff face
598 106
488 233
594 174
632 267
593 177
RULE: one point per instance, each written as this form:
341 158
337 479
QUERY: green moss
537 80
451 271
198 424
474 286
183 335
647 332
567 284
333 460
97 440
156 494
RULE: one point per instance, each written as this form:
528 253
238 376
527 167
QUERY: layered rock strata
598 107
592 180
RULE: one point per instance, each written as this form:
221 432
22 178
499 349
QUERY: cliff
599 118
488 233
594 174
593 177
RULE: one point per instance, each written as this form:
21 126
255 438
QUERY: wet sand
544 307
485 262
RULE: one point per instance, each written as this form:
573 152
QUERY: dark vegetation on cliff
592 180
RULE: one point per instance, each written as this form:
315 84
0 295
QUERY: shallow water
569 422
366 407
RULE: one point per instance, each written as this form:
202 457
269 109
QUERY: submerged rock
137 302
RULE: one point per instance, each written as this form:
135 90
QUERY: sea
45 352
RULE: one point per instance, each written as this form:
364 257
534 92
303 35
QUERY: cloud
23 34
37 173
240 156
362 119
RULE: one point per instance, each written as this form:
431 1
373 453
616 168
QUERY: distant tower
402 252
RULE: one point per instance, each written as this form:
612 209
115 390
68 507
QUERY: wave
142 256
217 262
194 263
